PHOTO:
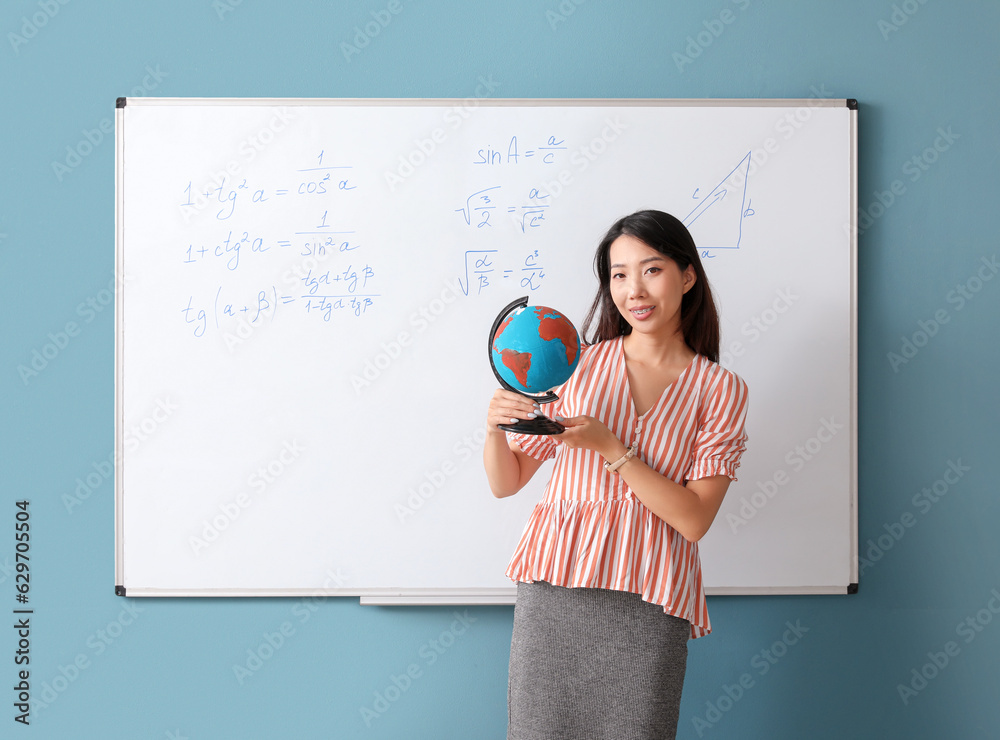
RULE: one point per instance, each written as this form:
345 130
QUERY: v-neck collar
628 383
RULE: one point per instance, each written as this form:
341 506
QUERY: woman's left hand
591 434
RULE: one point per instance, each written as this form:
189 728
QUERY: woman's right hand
507 407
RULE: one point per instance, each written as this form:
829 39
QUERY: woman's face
647 287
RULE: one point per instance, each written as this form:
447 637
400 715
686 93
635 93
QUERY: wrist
612 465
614 449
614 452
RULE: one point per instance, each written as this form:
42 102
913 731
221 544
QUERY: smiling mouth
641 311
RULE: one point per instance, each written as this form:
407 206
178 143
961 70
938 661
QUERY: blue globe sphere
535 349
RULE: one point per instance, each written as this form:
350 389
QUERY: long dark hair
669 237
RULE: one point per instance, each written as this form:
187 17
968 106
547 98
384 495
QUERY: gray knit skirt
588 663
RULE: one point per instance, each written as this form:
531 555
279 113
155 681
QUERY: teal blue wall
167 671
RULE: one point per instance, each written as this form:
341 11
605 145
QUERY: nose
635 287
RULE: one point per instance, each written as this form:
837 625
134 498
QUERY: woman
609 579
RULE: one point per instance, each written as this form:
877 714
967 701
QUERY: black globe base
539 425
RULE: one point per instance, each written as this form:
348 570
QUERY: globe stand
541 424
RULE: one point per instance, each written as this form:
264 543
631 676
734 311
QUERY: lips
641 312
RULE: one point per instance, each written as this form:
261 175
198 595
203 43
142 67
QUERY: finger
507 415
517 406
497 420
514 399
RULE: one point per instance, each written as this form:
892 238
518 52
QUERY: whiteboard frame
470 596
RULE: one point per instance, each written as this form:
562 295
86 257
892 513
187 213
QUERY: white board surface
307 290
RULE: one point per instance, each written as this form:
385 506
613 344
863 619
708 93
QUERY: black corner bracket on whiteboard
852 103
120 103
119 590
852 588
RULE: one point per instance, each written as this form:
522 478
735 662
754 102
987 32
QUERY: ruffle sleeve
722 437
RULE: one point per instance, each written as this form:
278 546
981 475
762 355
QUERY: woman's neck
657 351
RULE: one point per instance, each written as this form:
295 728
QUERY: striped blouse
589 529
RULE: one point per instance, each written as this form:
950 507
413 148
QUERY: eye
654 270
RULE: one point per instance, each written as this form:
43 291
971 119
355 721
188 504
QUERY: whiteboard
306 291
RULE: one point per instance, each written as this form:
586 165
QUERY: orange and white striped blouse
589 530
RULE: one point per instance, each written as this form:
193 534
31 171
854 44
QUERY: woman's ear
690 278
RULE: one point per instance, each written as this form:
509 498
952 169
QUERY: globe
535 349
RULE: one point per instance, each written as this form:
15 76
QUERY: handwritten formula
321 268
506 204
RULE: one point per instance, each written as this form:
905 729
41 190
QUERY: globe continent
536 349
